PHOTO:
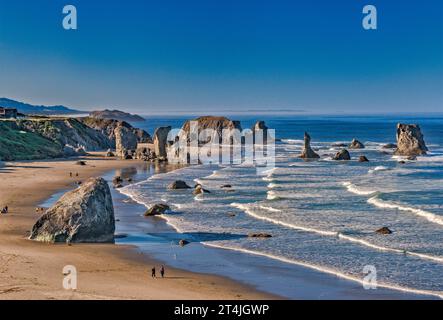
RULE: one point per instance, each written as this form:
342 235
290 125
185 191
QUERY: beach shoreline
32 270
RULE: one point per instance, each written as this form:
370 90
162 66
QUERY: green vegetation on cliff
16 144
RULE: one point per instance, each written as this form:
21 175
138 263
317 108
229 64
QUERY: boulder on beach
363 159
179 184
109 153
157 209
342 155
85 214
81 163
384 230
259 235
355 144
410 140
307 152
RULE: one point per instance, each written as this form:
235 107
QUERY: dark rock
183 242
390 146
307 152
157 209
363 159
200 190
160 142
384 230
81 163
342 155
226 186
179 184
410 140
117 180
402 162
259 235
85 214
355 144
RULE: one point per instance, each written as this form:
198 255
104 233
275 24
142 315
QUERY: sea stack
342 155
355 144
307 152
125 142
410 140
85 214
160 142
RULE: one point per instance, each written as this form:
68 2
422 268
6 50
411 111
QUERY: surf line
338 235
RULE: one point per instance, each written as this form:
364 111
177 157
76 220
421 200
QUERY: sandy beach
32 270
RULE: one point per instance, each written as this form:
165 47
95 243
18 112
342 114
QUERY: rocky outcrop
157 209
125 142
390 146
198 189
342 155
85 214
116 115
160 142
218 124
384 230
410 140
183 242
307 152
179 184
260 133
259 235
107 127
363 159
355 144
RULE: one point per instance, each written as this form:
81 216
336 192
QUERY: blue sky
206 55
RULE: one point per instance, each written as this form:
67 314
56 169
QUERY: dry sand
32 270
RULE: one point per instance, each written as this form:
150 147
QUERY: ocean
321 214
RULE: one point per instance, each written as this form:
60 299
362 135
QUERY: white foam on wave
247 209
271 195
272 185
378 168
293 141
419 212
271 209
353 188
334 272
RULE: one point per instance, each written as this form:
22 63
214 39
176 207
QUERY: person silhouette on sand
153 272
162 271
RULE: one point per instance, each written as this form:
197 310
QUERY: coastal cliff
54 137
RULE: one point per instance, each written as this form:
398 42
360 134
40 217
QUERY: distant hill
40 110
116 115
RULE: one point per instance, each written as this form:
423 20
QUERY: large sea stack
160 142
410 140
85 214
307 152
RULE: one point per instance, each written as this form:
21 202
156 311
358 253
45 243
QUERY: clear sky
205 55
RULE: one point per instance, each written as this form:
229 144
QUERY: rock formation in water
157 209
260 133
307 152
198 189
410 140
390 146
160 142
85 214
355 144
384 230
179 184
125 142
342 155
363 159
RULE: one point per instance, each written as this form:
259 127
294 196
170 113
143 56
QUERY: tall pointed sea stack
307 152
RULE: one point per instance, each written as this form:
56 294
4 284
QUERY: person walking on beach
162 271
153 272
70 174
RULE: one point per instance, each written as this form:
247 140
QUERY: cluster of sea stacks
86 214
410 143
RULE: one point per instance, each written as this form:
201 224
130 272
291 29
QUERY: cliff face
107 127
68 131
